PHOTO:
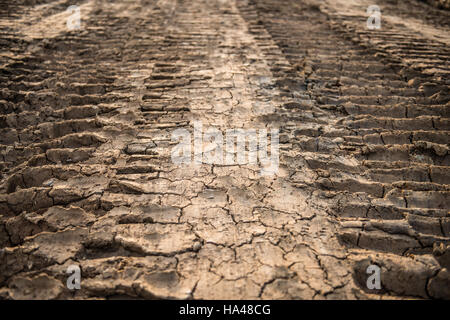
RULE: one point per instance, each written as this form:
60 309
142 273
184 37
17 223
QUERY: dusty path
87 175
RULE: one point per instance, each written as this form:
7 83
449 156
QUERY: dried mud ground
86 177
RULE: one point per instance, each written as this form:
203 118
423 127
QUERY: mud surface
86 118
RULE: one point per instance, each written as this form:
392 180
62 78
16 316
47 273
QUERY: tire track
376 136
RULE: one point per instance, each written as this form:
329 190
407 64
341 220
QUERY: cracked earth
86 176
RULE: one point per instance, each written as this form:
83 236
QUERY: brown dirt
86 118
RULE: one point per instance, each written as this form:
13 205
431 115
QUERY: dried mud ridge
87 179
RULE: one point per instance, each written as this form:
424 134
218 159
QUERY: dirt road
87 177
